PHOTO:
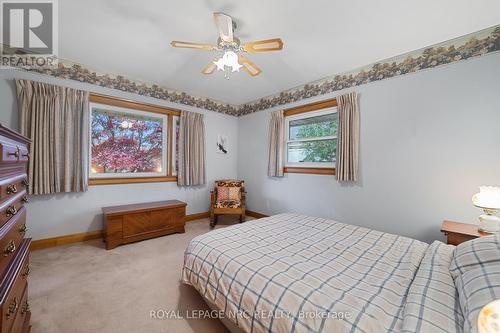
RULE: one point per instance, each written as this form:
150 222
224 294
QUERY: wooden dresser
14 247
132 223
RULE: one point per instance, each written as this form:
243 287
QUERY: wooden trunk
14 247
131 223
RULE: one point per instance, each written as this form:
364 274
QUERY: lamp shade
488 197
489 318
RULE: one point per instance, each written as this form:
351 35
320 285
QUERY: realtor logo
29 32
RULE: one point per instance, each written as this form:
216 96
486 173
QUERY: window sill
313 171
132 180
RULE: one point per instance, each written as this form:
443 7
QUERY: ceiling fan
231 60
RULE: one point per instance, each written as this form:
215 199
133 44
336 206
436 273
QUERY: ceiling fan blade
224 25
249 66
266 45
210 67
198 46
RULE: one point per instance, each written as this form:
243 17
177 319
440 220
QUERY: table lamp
488 199
489 318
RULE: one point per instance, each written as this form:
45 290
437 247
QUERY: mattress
297 273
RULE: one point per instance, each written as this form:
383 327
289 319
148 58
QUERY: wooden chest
14 247
131 223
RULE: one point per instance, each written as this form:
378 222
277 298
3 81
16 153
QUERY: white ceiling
321 38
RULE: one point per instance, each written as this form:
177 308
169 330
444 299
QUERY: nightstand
457 232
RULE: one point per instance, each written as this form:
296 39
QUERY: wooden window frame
330 103
128 104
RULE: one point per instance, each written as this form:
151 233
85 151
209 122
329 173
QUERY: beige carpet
84 288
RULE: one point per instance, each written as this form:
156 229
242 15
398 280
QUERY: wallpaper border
462 48
458 49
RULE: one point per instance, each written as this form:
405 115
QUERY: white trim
288 119
311 164
310 114
321 138
118 109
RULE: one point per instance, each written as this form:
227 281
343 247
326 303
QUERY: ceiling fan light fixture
232 60
229 59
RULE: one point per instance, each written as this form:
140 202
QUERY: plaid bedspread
432 304
295 273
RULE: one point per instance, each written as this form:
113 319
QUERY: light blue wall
428 140
74 213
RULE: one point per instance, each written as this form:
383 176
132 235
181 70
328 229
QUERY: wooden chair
229 202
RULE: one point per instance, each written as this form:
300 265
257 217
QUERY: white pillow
478 252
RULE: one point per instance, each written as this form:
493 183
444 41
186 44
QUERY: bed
296 273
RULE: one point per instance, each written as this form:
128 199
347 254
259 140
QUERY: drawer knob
25 308
23 228
26 182
15 154
25 199
10 248
12 307
11 189
26 271
11 211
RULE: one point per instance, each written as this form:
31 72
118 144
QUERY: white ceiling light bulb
220 64
230 60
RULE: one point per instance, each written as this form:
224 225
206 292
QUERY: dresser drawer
14 293
23 313
12 207
24 154
13 153
13 305
11 236
9 153
10 187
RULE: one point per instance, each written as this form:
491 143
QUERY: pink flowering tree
122 143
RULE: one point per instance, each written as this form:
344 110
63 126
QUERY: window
311 138
129 144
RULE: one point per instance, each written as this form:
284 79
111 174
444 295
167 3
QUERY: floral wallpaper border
77 72
462 48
